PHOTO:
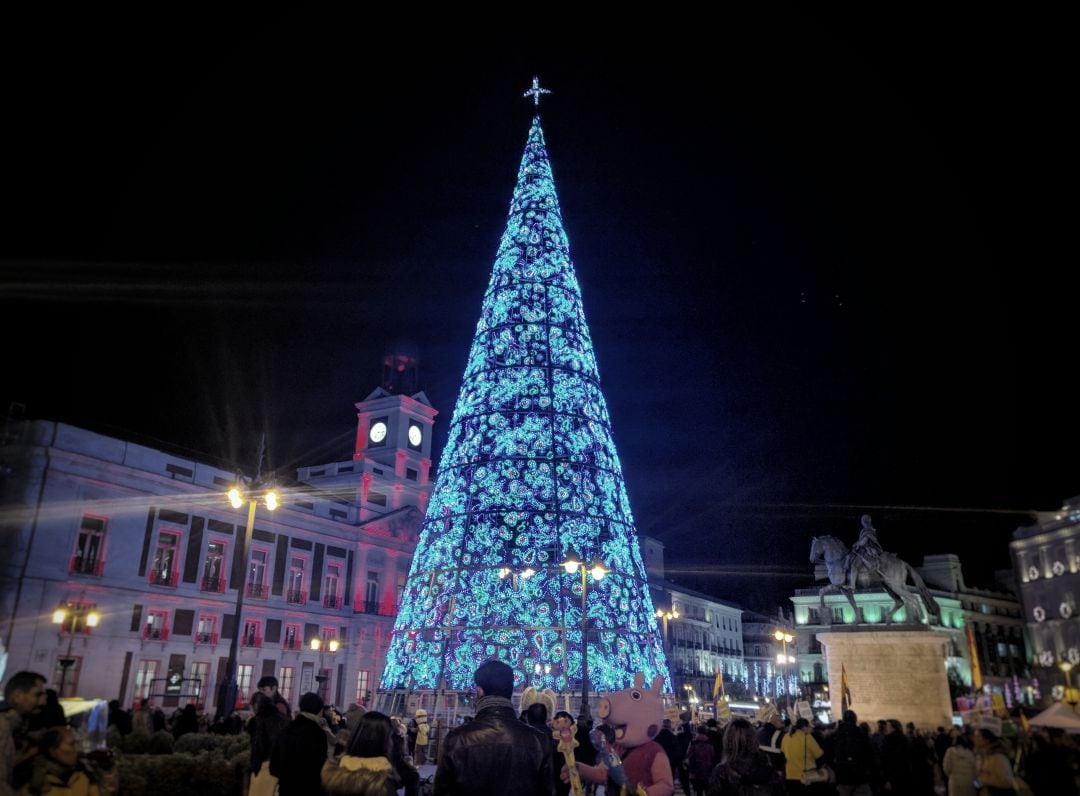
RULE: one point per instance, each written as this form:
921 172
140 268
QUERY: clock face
416 436
378 431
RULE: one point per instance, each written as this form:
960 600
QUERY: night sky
821 255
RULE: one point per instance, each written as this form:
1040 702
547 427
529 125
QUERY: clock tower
393 449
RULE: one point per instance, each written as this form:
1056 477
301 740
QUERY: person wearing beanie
301 749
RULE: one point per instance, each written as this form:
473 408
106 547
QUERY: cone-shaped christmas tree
528 480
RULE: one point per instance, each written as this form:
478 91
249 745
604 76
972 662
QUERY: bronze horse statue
846 570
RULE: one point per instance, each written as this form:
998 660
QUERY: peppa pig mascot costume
636 714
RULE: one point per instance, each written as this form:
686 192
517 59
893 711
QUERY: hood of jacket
368 775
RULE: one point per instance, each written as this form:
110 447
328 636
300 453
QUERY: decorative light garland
529 476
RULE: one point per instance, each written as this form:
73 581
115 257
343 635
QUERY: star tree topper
536 91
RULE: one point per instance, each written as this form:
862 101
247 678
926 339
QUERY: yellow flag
845 692
976 672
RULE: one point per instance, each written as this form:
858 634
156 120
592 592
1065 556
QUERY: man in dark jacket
852 757
495 754
300 750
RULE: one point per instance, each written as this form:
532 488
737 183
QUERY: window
213 567
165 560
89 558
400 591
378 498
331 584
252 636
244 674
837 613
144 677
206 631
157 626
411 474
371 593
363 696
295 592
813 617
200 678
285 682
256 585
292 638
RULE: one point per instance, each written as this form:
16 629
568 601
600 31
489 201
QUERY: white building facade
148 541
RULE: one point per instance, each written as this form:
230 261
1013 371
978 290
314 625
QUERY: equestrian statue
867 565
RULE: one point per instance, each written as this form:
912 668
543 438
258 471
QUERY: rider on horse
865 553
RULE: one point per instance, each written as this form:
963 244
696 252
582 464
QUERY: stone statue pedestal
893 673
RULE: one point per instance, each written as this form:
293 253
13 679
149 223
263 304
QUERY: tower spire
529 480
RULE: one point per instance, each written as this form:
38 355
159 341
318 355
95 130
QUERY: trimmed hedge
210 765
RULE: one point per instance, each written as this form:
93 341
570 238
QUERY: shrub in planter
113 738
193 743
206 774
161 743
137 742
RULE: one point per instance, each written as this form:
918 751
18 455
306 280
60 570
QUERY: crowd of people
319 750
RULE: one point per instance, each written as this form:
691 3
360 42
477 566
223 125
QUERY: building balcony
206 638
296 597
251 640
215 585
151 633
372 607
292 644
257 591
85 566
331 601
164 579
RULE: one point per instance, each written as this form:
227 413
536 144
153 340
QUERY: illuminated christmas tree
529 479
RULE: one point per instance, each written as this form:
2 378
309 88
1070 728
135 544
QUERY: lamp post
255 490
320 678
783 659
572 564
665 617
1071 695
80 613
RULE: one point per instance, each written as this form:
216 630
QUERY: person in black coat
853 757
264 728
300 751
495 753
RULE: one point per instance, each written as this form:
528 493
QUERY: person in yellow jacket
801 752
60 770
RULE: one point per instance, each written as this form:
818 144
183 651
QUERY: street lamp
255 490
572 564
320 678
1071 695
79 613
783 659
665 617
